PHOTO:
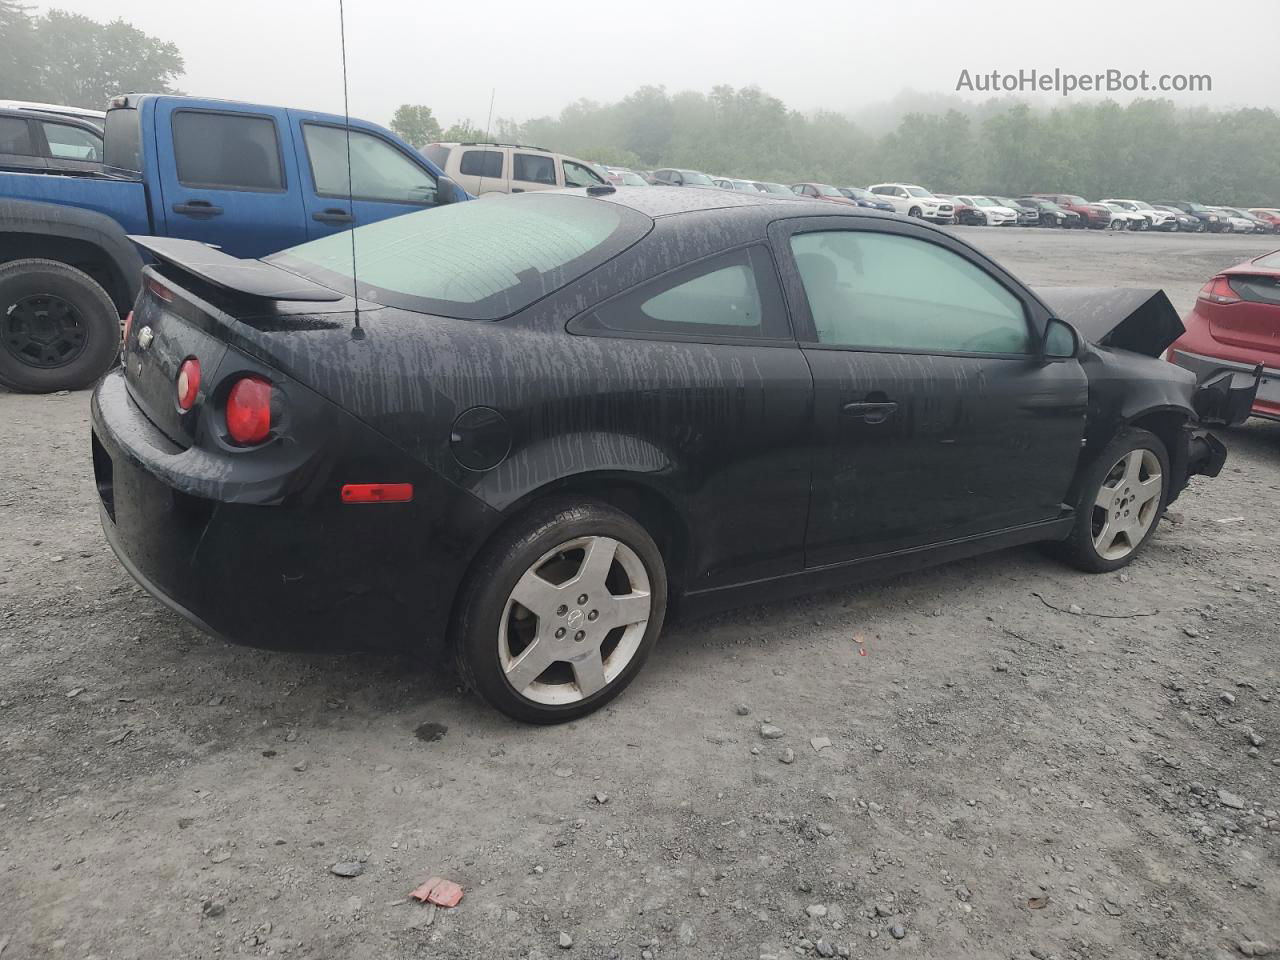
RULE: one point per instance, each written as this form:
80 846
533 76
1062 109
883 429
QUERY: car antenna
357 333
493 92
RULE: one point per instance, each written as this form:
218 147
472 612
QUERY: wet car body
766 465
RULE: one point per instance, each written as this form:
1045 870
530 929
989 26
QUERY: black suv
34 142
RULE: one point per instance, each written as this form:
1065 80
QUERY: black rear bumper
298 571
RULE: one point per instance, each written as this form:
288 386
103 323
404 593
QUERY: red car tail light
1218 290
188 383
249 411
160 290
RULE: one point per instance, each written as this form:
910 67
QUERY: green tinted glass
479 260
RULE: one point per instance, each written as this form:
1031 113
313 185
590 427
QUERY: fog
841 55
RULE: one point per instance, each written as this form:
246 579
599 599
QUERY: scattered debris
1230 800
819 743
430 731
601 798
1038 903
743 710
119 737
347 868
437 890
770 732
1086 613
787 756
566 941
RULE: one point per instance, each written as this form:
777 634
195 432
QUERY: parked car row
1063 210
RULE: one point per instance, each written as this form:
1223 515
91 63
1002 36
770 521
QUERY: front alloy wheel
1120 495
1127 504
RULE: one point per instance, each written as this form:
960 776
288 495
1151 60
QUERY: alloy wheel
574 620
1127 504
43 331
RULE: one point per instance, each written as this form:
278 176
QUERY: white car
1156 219
732 183
997 214
1122 219
1235 224
915 201
485 168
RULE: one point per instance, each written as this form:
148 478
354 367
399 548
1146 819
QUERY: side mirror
1061 342
448 191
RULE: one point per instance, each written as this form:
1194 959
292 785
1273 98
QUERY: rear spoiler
246 278
1141 320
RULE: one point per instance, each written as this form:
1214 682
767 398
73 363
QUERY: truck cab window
226 151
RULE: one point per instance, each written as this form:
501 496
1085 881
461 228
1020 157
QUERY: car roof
72 120
659 202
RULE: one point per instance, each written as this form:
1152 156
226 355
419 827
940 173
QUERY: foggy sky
812 54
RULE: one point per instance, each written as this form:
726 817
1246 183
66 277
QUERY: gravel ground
1003 779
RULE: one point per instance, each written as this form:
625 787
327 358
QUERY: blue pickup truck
247 178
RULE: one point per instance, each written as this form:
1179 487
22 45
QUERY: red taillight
188 383
1218 290
128 325
160 290
377 492
249 411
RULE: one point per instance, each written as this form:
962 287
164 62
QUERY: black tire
913 212
75 355
514 550
1078 549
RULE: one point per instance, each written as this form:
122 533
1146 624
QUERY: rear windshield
123 146
475 260
693 178
1271 261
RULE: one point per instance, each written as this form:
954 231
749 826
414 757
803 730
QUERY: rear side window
15 137
533 168
378 170
227 151
123 146
481 163
734 294
437 154
475 261
71 143
883 291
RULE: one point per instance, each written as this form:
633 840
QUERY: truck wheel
58 328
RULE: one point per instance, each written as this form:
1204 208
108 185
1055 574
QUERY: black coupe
532 424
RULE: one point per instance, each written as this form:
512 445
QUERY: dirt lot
1003 779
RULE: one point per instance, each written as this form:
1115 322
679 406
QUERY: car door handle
333 215
198 208
870 411
517 189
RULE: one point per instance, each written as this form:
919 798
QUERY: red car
1268 214
1235 326
822 191
1092 215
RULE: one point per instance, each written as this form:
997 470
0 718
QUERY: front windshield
1139 204
1077 200
475 260
918 192
743 186
692 177
856 193
632 179
1199 208
985 202
770 187
826 191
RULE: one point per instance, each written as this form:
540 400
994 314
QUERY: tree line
1147 149
68 58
